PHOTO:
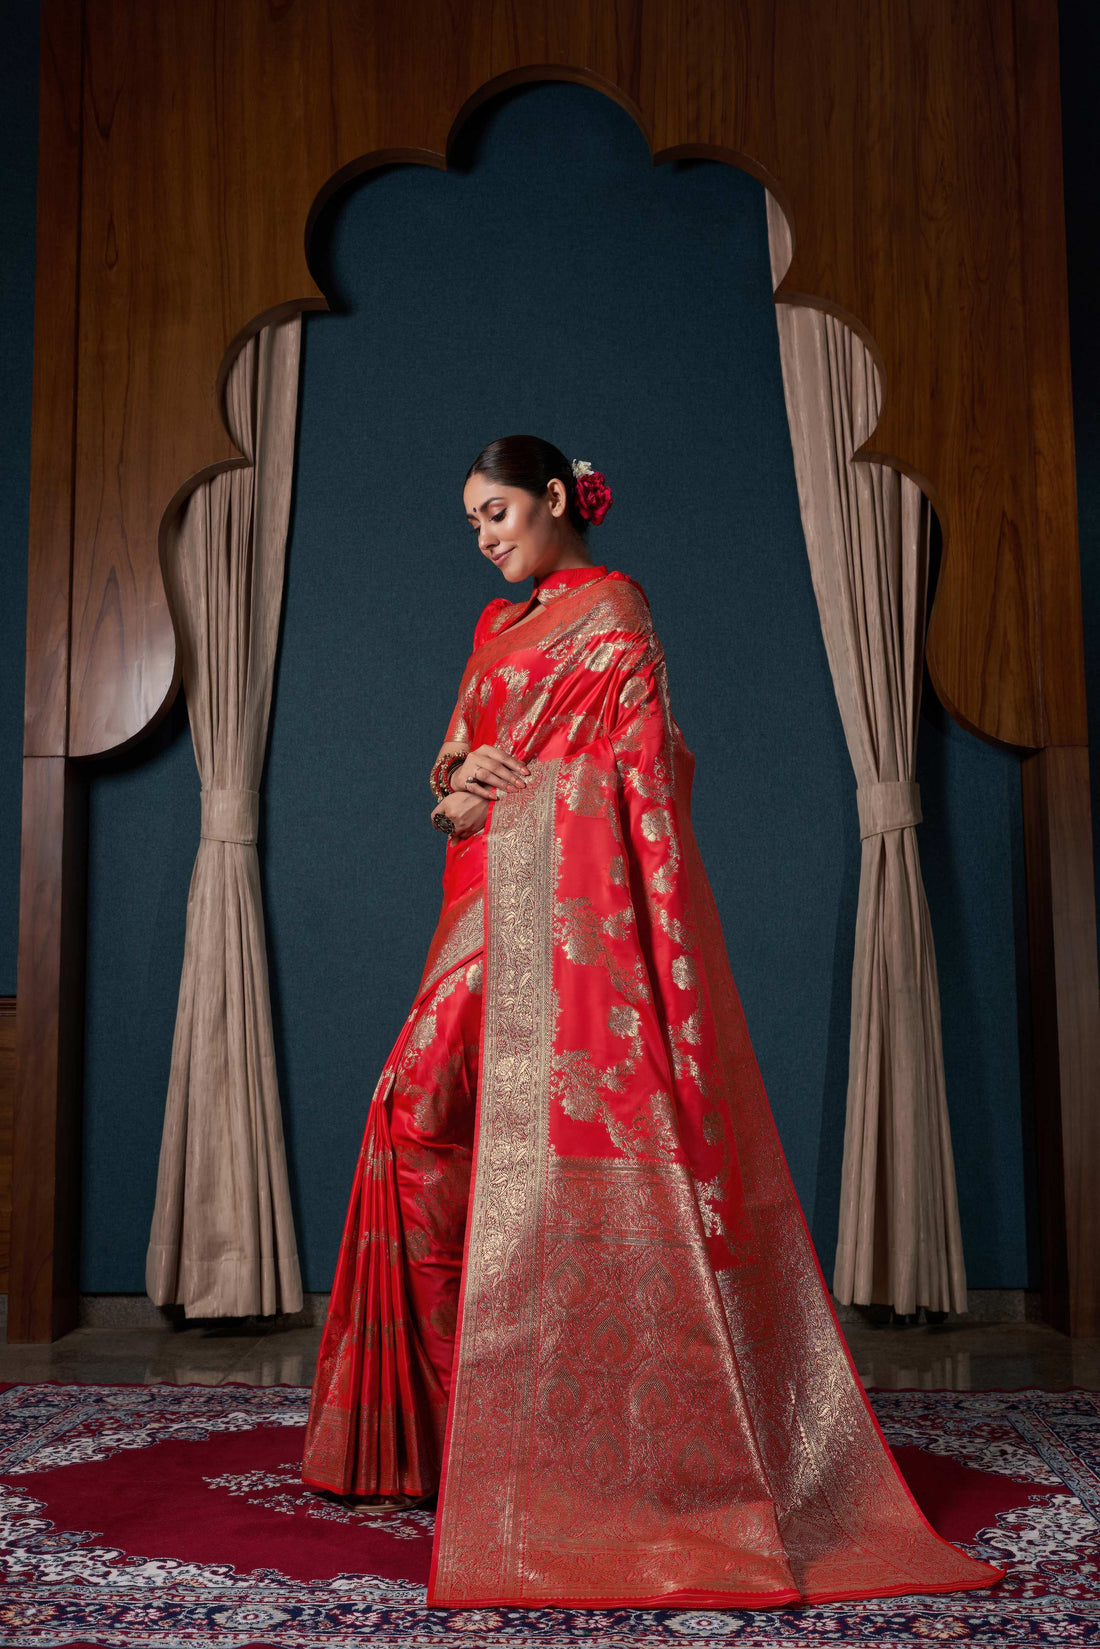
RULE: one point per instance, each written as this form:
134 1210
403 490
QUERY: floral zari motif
650 1400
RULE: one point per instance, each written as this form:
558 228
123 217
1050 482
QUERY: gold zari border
495 1369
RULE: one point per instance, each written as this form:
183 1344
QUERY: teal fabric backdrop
552 281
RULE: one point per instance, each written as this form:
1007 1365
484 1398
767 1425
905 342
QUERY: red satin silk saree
646 1399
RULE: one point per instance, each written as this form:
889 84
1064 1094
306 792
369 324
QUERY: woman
575 1291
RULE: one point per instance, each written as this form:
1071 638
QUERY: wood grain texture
7 1107
53 424
1061 635
211 131
49 1047
45 1123
1066 1031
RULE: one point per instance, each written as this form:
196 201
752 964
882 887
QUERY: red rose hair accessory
593 492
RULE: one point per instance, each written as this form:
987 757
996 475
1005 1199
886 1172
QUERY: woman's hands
485 776
468 812
489 773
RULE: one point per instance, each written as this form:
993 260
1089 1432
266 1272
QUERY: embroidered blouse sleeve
490 618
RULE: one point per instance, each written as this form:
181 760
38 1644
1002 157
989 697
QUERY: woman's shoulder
628 602
492 618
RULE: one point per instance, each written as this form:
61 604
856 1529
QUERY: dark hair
528 462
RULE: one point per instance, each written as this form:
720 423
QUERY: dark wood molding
1065 1004
1064 714
46 1116
7 1108
54 423
1057 812
42 1288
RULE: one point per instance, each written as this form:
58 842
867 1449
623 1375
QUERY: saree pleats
378 1407
370 1421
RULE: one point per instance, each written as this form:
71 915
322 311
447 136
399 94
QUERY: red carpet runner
150 1517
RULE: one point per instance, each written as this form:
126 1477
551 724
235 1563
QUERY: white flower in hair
581 467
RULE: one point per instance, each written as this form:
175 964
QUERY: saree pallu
650 1400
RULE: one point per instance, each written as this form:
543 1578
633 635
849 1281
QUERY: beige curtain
222 1241
867 529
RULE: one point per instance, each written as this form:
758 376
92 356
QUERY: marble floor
952 1356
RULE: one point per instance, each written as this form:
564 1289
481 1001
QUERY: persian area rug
157 1517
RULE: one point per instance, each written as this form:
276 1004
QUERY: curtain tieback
230 815
886 807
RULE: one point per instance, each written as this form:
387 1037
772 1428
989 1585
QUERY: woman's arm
486 774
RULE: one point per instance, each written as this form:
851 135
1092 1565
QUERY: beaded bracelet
457 761
445 765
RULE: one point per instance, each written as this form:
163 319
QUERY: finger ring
443 821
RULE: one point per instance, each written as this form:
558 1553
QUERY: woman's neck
570 554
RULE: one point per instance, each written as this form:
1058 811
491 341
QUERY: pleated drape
867 531
222 1240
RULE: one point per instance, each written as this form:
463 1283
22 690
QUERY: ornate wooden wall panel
914 147
889 132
